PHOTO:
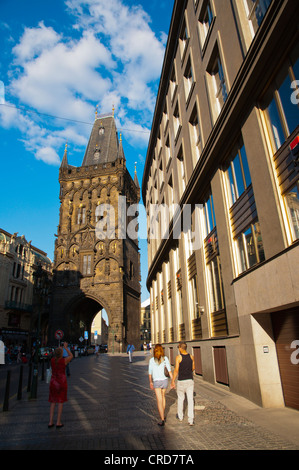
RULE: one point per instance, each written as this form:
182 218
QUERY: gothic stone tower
95 271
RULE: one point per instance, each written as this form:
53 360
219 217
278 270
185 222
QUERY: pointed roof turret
103 145
64 162
120 148
135 177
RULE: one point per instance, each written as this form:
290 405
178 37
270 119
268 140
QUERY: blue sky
60 59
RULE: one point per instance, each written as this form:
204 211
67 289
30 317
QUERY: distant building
224 146
145 321
99 330
19 260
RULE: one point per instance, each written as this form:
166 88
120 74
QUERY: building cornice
171 46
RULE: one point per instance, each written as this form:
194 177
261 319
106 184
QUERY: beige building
221 190
18 262
145 322
99 330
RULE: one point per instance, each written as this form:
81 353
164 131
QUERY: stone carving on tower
97 266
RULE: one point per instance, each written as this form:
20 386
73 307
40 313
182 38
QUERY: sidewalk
111 407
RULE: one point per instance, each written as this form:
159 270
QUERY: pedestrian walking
130 350
158 380
58 384
2 353
184 367
7 355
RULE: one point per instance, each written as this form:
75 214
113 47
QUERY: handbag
166 372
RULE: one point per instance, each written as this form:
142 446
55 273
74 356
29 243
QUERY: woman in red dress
58 384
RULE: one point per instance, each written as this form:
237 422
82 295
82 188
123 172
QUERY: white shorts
161 383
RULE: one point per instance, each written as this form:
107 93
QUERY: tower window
86 265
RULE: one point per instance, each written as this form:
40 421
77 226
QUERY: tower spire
64 162
121 153
135 177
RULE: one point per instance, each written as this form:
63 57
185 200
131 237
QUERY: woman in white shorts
158 380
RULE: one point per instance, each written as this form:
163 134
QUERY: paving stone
111 408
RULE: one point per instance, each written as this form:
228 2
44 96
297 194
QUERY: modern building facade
96 265
19 260
221 191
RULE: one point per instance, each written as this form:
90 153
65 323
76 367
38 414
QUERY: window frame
252 11
218 84
233 185
272 104
195 135
241 243
207 11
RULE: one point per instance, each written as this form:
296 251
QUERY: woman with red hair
158 380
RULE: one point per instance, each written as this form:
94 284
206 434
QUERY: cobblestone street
111 407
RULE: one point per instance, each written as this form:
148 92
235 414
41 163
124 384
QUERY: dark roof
103 145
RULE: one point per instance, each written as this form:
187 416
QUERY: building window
212 257
209 215
206 19
181 171
168 153
173 84
184 39
218 88
189 80
170 198
256 10
292 203
250 247
86 265
131 270
281 104
238 175
176 122
165 118
281 110
194 294
81 215
161 176
215 280
195 135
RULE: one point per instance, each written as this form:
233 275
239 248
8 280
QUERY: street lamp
40 288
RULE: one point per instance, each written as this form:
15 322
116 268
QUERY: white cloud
114 60
138 51
35 41
62 78
47 155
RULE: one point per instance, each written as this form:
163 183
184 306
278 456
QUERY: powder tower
97 265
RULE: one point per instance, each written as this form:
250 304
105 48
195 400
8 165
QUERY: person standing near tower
130 350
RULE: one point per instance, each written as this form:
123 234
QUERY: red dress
58 382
